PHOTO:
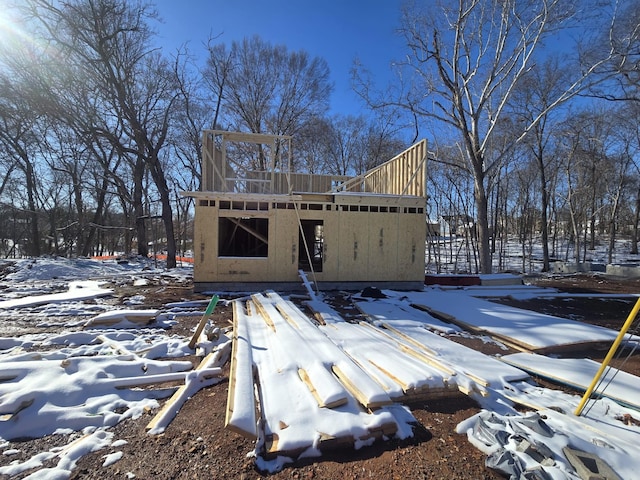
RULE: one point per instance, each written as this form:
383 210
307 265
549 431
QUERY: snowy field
455 255
80 368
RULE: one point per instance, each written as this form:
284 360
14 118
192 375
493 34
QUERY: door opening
311 234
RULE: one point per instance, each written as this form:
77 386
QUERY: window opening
311 233
243 237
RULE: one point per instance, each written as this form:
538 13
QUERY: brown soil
197 446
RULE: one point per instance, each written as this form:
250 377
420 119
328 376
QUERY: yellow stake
609 356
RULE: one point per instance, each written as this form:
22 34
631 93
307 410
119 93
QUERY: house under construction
257 227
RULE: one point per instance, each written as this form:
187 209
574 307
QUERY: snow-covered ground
63 378
455 255
84 380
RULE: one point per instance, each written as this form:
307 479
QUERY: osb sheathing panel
240 269
353 246
358 246
206 242
383 246
411 254
285 246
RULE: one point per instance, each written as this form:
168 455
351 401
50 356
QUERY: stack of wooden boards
297 385
520 329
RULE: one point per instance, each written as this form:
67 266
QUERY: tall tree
465 59
109 41
264 88
19 137
536 91
621 74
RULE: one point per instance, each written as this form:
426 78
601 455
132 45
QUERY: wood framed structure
257 229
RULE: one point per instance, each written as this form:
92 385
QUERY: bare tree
19 139
532 97
312 146
266 89
621 74
346 146
465 59
108 41
590 172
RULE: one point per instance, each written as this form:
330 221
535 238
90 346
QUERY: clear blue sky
336 30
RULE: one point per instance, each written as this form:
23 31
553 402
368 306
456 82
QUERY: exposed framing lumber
240 415
404 174
203 321
173 405
238 223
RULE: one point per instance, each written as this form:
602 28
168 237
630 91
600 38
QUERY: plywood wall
366 238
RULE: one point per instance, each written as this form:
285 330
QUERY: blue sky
336 30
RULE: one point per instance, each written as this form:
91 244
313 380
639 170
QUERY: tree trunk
167 212
138 208
97 217
482 224
33 213
636 222
544 207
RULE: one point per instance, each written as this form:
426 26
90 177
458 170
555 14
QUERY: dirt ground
197 446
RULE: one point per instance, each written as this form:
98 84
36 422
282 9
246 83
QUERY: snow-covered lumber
77 291
465 362
160 378
402 311
529 330
352 377
115 317
578 373
400 371
291 419
312 363
194 382
241 405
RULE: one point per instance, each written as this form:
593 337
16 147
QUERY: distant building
458 224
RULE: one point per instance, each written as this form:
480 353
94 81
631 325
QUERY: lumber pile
522 330
295 385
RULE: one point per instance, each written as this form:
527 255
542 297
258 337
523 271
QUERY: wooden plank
321 383
142 317
203 321
578 373
527 329
173 405
126 382
316 390
468 364
354 387
291 421
263 312
352 377
240 414
307 285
